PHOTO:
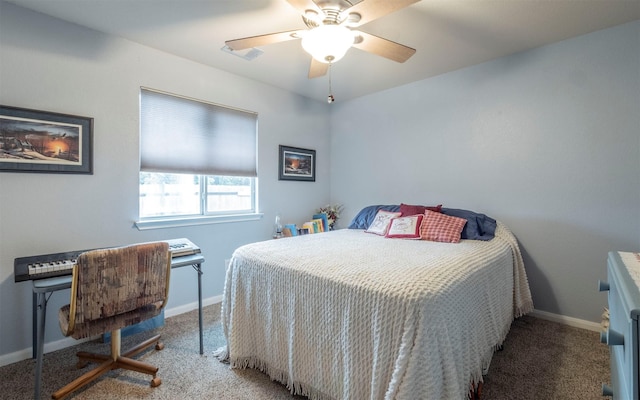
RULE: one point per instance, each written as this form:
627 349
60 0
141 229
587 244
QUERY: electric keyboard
60 264
182 247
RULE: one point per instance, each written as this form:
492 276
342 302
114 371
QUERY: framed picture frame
47 142
297 164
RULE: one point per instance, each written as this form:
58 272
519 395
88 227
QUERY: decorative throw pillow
439 227
381 222
407 209
405 227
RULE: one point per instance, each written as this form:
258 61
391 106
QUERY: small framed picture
297 164
41 141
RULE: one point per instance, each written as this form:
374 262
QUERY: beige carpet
540 360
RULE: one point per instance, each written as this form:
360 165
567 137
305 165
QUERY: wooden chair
111 289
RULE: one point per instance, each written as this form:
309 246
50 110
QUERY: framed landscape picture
297 164
41 141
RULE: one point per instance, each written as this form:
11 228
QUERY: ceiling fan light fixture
327 43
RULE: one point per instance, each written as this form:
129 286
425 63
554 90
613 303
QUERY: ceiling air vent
247 54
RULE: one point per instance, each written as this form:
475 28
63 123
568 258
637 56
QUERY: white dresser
623 275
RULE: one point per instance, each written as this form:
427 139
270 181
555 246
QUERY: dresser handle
606 390
612 337
603 286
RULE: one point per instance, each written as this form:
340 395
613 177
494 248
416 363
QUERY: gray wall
546 141
46 64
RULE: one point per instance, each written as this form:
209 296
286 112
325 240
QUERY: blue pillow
366 216
478 226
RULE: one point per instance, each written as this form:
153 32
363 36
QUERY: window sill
190 221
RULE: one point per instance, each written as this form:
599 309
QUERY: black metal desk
47 286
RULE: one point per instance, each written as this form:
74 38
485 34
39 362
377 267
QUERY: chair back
117 287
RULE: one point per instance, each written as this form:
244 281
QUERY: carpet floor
540 360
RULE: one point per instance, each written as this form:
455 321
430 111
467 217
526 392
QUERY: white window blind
180 135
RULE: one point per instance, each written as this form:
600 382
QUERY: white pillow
381 222
405 227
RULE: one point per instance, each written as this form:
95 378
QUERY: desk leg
199 270
34 326
42 304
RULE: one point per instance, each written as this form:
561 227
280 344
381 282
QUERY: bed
348 314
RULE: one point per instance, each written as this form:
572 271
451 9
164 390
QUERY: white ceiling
448 35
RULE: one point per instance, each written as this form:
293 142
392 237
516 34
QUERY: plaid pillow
381 222
439 227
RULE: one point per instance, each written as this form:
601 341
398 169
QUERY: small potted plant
333 214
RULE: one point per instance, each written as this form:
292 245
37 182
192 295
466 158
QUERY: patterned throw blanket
352 315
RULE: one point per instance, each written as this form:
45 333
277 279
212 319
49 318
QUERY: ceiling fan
331 32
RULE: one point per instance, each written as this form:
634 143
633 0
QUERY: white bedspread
352 315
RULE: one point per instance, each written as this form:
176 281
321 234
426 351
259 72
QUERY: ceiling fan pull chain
330 98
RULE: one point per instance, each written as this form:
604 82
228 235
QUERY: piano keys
61 264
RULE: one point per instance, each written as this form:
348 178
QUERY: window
197 159
174 195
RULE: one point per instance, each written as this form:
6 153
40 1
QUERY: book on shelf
325 220
317 223
309 226
292 228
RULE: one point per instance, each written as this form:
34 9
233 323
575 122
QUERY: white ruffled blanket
352 315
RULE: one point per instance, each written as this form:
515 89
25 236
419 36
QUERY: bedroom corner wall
546 141
47 64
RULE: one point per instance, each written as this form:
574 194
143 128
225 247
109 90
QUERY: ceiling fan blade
261 40
374 9
383 47
317 68
303 5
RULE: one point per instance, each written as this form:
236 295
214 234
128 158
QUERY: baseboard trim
63 343
24 354
170 312
570 321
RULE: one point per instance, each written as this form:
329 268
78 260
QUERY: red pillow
405 227
407 209
439 227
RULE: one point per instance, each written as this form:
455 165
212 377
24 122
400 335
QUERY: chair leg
139 366
83 380
143 346
126 362
85 358
135 365
113 361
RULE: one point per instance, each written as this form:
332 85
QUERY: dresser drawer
622 335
